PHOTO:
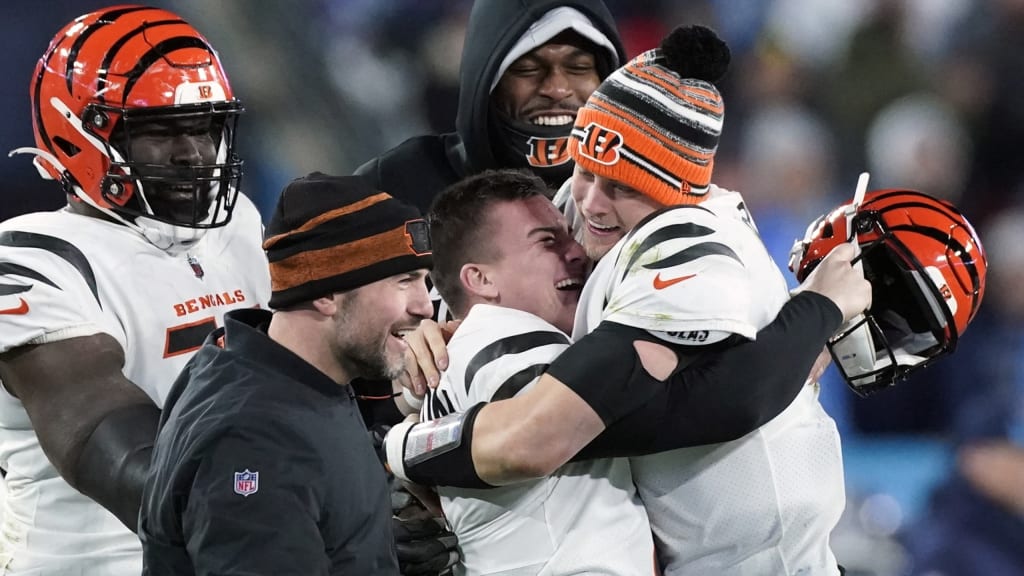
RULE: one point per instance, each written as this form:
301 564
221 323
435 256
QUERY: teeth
568 283
600 226
560 120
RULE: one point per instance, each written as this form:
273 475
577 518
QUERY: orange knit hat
654 123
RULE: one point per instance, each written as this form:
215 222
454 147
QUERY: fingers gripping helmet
927 271
112 71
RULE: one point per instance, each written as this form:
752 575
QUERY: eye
201 131
524 70
406 280
624 190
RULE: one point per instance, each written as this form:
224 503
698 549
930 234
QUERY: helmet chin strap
170 238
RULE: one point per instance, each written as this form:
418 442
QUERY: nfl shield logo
247 482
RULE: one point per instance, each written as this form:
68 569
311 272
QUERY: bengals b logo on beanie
335 233
654 124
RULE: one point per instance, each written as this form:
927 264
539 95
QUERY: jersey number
185 338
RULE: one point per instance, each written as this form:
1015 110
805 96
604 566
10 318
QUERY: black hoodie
418 169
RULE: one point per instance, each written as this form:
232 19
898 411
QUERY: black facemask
542 149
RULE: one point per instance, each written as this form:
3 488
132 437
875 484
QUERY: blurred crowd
923 94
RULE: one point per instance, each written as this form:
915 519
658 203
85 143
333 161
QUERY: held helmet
110 72
927 271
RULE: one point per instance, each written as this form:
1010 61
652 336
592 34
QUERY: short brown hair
460 225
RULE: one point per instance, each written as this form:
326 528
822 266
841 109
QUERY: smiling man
505 262
527 67
262 464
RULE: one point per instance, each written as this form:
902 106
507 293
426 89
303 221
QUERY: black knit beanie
335 233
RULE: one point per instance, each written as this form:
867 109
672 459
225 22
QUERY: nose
556 85
574 254
186 150
419 303
594 199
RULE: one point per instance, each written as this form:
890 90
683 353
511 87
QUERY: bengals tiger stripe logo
547 152
600 144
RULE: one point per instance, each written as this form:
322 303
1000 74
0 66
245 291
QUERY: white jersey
584 519
64 275
765 503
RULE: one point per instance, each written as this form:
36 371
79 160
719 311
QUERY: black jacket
421 167
263 466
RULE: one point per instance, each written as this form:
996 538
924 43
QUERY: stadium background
925 94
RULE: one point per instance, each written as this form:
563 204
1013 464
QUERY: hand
427 355
423 544
841 282
820 365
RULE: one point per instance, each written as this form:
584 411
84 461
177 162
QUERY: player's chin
392 365
596 247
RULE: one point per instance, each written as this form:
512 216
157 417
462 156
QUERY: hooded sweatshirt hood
495 27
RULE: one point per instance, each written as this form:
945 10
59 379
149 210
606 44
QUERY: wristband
415 402
435 453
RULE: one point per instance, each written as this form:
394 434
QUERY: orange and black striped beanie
336 233
654 123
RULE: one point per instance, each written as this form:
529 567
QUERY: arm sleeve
715 397
720 395
268 526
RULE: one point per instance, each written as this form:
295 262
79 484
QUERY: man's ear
477 280
328 305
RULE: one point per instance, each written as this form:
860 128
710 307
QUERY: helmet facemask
907 326
193 195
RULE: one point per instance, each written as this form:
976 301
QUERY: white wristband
394 448
415 402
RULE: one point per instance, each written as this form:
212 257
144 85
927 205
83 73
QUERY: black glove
425 547
423 543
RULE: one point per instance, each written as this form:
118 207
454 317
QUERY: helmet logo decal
944 290
196 92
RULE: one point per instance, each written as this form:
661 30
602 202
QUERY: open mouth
570 284
553 120
601 229
401 333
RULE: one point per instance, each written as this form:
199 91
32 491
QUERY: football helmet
927 271
112 72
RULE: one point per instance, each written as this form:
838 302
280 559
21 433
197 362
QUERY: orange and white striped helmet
116 68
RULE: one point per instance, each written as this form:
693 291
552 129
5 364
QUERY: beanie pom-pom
696 52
